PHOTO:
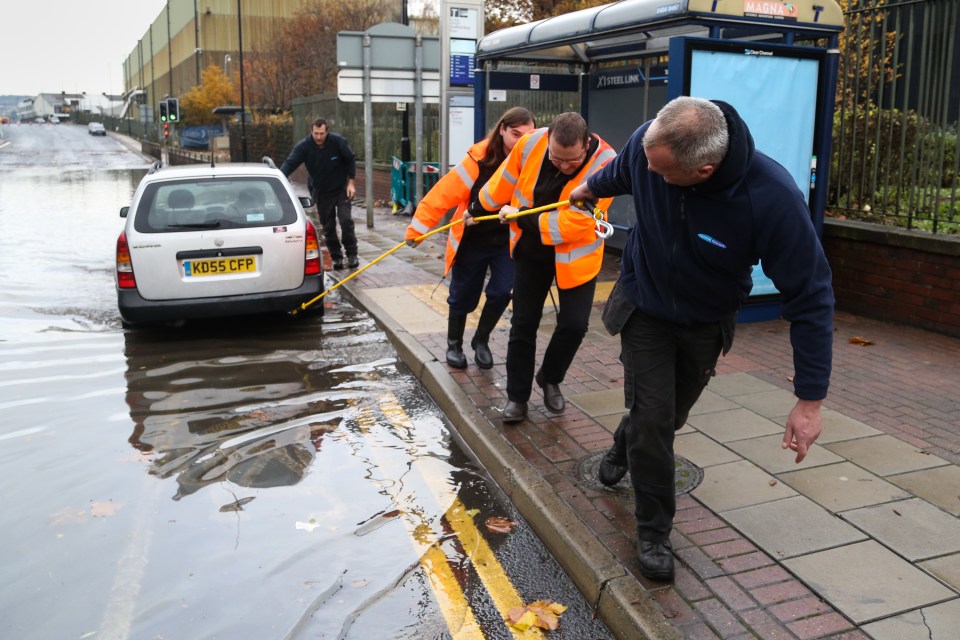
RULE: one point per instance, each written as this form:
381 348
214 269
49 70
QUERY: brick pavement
727 586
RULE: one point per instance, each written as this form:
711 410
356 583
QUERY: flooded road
264 478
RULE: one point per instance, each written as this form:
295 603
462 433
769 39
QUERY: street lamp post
243 104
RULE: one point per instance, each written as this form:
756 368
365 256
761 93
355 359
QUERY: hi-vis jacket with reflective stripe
571 230
452 190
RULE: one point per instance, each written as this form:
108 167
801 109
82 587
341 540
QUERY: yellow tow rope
494 216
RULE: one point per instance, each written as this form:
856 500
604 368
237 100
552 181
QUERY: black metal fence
895 129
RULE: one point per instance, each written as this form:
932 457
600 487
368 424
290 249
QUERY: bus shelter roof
639 28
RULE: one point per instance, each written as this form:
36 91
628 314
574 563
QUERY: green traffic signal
173 109
164 111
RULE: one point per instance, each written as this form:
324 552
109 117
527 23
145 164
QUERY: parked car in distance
213 242
96 129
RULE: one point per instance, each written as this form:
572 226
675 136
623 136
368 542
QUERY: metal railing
895 158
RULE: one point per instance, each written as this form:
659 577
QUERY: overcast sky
70 45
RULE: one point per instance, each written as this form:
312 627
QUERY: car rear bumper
135 309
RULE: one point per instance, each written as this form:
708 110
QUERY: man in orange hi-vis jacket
563 244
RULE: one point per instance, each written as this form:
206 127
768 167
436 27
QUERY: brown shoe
514 412
552 398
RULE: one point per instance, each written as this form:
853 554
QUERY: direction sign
392 46
388 86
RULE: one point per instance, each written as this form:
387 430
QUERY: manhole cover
686 475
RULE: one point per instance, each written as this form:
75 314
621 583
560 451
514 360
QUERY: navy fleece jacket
689 258
329 167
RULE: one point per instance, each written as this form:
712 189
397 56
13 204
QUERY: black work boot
655 560
480 343
455 357
614 465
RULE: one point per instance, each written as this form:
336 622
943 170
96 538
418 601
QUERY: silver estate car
203 242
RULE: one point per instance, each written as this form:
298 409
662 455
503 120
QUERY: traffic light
164 111
173 109
166 129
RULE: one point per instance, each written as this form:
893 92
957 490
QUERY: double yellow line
447 590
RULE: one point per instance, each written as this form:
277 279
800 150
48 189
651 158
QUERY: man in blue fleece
709 206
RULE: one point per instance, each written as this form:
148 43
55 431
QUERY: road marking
485 563
446 589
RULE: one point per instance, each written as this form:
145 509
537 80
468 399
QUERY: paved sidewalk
861 540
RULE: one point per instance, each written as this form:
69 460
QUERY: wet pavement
861 540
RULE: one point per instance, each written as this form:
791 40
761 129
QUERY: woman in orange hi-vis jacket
563 244
471 252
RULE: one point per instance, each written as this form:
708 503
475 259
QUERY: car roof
226 170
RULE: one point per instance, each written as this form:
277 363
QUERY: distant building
9 104
45 105
187 37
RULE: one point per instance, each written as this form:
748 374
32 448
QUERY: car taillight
125 277
311 265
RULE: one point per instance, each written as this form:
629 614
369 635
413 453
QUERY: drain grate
687 475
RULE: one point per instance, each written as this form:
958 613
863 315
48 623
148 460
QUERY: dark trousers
530 287
665 369
330 208
468 273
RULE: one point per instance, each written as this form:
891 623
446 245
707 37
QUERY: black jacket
689 258
329 166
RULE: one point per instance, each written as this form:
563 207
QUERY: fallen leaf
104 509
392 514
772 483
497 524
544 614
236 505
863 342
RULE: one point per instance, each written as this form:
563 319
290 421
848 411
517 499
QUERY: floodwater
265 478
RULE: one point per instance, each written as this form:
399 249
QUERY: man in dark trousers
332 169
709 207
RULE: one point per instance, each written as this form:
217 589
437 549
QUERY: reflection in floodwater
246 404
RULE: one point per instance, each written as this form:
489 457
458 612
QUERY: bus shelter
776 62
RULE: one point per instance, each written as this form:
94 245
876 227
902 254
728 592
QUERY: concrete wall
906 277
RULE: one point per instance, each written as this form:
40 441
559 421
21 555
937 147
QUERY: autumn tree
302 57
215 90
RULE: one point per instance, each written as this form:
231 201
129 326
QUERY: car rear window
221 203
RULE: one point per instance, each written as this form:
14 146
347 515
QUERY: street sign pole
367 132
418 118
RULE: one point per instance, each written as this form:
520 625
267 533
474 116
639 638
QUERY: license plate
219 266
